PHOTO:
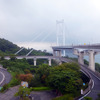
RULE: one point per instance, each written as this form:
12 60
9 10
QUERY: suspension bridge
79 50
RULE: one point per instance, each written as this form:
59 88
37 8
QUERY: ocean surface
69 53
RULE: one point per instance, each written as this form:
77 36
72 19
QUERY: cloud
24 20
37 45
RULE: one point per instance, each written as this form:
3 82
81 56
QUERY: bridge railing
97 74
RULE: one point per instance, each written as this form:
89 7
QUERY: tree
65 78
23 93
25 77
27 71
13 58
43 72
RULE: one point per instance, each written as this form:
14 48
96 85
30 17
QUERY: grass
40 88
64 97
13 81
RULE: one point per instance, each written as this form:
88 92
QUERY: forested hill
8 48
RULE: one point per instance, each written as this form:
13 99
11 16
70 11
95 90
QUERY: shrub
88 98
23 93
36 81
64 97
5 87
27 71
14 82
40 88
25 77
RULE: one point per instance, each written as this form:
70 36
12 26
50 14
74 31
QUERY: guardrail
90 85
90 82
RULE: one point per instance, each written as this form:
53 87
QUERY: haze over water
69 53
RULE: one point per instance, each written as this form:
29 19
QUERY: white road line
87 93
3 77
91 89
92 85
95 75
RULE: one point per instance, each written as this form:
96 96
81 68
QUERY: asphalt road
96 89
1 77
40 95
7 76
43 95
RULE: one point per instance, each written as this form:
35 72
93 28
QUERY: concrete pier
34 61
91 60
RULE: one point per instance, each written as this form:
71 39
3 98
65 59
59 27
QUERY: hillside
8 48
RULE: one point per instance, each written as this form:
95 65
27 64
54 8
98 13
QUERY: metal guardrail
90 82
90 85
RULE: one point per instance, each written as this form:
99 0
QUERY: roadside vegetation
97 65
66 79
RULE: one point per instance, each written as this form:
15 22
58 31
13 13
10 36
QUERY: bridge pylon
60 34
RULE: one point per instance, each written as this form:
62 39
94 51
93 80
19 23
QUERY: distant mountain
8 48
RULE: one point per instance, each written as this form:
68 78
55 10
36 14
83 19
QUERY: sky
32 23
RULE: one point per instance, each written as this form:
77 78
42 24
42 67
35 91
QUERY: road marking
95 75
3 77
32 98
88 92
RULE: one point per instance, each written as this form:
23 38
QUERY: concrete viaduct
80 51
41 57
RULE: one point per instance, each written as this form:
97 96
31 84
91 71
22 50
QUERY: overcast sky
33 22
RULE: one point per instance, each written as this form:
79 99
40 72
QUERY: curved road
7 76
96 86
1 77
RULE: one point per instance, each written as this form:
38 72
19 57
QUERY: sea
69 53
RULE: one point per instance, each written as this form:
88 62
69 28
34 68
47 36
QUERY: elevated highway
80 51
95 89
40 57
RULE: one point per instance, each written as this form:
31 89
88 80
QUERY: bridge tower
60 34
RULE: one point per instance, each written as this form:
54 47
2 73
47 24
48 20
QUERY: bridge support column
80 58
49 62
92 60
59 53
54 53
34 61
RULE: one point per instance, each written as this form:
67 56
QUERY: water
69 53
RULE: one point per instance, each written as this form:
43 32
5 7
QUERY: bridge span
40 57
80 51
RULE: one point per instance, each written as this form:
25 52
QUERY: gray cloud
35 20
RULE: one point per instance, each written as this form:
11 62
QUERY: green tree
43 71
27 71
65 78
23 93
